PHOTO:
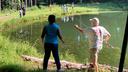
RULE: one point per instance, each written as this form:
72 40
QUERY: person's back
51 33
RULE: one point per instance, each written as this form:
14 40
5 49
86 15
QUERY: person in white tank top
96 35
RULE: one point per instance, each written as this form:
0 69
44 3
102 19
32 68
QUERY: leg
95 63
56 56
91 57
94 58
46 56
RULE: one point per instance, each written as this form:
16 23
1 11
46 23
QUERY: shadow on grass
17 68
72 70
12 68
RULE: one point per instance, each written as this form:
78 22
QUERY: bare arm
79 28
107 37
60 35
43 33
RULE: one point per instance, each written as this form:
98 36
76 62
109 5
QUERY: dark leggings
48 48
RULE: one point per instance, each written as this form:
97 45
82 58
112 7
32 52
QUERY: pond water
113 22
76 44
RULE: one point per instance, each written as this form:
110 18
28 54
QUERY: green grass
11 49
78 9
10 54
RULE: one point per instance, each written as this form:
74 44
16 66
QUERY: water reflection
78 38
22 34
67 22
118 29
72 18
67 18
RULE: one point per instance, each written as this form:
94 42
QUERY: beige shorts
94 52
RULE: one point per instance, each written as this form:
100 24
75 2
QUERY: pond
76 45
113 22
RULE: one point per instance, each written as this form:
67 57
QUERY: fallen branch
70 65
64 64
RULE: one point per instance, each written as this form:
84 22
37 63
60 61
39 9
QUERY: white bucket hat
96 19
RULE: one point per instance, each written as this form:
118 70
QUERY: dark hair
51 19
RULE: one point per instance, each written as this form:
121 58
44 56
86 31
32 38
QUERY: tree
35 2
26 3
0 5
5 4
31 2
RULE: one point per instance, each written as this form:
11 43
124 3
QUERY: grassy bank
12 48
56 9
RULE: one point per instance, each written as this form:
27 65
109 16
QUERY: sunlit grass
93 8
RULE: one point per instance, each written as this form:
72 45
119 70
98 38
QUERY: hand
76 26
106 42
109 46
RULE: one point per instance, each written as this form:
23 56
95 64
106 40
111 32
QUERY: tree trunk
49 2
26 3
35 2
12 3
31 2
81 1
64 64
70 65
20 2
0 5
